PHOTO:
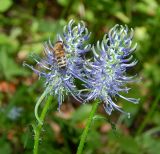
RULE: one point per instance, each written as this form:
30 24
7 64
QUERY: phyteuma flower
63 61
75 43
106 73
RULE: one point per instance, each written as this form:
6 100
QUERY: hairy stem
85 132
37 130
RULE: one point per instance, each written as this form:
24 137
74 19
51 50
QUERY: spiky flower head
60 81
106 73
75 39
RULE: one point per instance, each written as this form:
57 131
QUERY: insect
59 53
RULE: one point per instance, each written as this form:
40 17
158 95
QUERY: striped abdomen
59 53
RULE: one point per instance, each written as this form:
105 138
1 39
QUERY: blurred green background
25 25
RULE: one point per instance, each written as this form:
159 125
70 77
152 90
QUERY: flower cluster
104 75
59 82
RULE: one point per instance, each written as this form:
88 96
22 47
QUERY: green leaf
149 144
127 144
63 2
27 139
5 147
50 26
121 16
9 68
82 113
3 39
90 145
5 5
9 43
99 117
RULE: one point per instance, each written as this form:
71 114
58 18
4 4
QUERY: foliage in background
25 25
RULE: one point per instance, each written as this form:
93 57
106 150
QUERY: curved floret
75 39
60 81
106 73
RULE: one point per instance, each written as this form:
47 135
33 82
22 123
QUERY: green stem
37 130
148 116
38 103
85 132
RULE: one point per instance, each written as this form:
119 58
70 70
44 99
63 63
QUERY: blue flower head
75 43
59 81
106 73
